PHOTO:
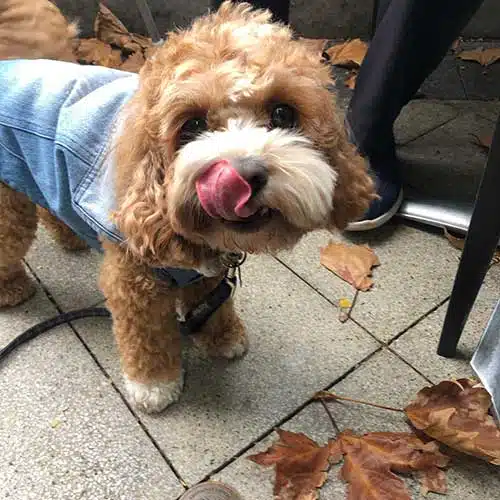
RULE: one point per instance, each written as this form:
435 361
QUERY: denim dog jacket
56 125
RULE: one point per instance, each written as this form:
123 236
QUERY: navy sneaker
383 208
385 174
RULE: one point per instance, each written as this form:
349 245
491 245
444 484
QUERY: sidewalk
66 431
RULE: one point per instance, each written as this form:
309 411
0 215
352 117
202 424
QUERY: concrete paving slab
418 345
444 82
70 277
416 274
296 348
420 116
332 19
467 480
65 431
405 286
484 24
446 163
489 110
304 260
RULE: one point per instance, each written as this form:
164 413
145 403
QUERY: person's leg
279 8
411 39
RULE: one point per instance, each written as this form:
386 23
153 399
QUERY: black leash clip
194 320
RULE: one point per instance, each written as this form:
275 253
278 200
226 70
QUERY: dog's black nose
254 171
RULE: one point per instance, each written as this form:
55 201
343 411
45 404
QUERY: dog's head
233 141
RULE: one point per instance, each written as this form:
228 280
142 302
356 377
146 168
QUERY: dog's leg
60 231
224 334
145 329
18 221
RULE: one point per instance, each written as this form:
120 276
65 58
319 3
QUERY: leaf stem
358 401
330 416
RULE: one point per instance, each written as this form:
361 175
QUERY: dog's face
233 141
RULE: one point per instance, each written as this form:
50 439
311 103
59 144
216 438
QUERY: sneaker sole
366 225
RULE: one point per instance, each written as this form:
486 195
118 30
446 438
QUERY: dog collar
193 321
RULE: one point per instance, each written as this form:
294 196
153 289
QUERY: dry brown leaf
485 57
459 244
133 63
349 54
109 29
315 45
371 460
455 242
433 480
456 414
350 79
93 51
352 263
483 141
301 465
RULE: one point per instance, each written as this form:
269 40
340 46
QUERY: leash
189 324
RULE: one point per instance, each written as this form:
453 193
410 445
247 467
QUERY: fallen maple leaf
109 29
485 57
350 79
94 51
301 465
456 414
352 263
433 480
348 54
371 460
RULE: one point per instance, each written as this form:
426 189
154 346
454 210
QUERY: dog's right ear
140 183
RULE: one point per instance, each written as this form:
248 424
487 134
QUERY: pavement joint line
110 381
322 295
432 129
288 417
462 82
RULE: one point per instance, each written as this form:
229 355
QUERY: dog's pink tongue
223 192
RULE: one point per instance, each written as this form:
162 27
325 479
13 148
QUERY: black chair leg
482 239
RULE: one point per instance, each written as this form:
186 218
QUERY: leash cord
44 326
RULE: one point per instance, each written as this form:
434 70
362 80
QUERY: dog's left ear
354 190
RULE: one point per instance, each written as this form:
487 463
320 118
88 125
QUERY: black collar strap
177 277
193 321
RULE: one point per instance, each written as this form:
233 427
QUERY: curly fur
35 29
229 66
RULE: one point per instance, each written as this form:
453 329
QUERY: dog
228 141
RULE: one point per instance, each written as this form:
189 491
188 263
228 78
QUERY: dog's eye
283 116
192 128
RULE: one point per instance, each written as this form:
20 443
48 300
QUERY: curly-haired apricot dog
227 141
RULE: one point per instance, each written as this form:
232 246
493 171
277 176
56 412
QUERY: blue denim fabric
56 123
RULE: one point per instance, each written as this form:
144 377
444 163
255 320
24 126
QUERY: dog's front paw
229 345
153 397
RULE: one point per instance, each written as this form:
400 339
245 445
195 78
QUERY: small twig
330 396
354 299
330 416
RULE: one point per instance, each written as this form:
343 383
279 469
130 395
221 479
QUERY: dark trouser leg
411 39
279 8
